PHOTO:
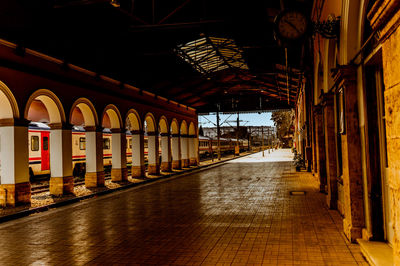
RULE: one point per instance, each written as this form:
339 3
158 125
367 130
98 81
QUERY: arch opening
184 128
8 104
82 116
43 110
174 126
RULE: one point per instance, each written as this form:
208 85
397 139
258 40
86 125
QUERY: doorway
378 185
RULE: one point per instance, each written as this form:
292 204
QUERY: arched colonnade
176 136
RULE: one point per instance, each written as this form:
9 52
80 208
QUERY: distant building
254 133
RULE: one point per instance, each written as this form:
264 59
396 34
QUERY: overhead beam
172 26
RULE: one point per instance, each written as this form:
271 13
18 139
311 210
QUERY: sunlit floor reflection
281 155
235 214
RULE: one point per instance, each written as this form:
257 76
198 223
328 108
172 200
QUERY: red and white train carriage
209 146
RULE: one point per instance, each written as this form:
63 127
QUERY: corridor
235 214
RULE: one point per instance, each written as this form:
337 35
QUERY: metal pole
218 138
262 140
237 134
269 140
249 139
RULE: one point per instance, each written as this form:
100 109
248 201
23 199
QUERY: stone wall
385 17
391 53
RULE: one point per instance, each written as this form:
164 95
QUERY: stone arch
88 111
192 129
150 122
9 106
52 104
174 126
133 122
184 128
114 116
163 125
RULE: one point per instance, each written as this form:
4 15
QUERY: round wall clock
291 25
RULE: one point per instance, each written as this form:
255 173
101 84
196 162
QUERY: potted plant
298 162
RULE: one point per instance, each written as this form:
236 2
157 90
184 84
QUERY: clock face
292 25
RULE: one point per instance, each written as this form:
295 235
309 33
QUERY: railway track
44 188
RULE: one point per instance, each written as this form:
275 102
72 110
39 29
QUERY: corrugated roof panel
212 54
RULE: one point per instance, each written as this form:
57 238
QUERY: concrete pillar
138 167
119 172
94 157
353 221
320 141
15 188
176 151
61 180
192 150
153 156
184 151
165 152
330 149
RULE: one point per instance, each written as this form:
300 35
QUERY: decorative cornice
384 16
116 130
93 129
7 122
137 132
155 133
381 12
327 98
346 73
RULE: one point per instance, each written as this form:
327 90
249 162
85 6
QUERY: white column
138 167
61 180
94 157
14 163
118 144
165 152
196 145
192 151
153 156
176 151
184 151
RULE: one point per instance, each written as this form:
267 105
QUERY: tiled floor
235 214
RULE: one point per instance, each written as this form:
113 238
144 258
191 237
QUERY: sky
254 119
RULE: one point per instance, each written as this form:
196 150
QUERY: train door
45 151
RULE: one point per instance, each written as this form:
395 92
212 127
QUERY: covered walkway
237 213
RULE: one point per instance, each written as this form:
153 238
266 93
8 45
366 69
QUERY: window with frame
45 143
82 143
339 132
34 143
106 144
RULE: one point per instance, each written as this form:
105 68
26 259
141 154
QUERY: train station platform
239 213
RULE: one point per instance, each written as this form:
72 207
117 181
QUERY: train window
82 143
130 143
45 143
34 143
106 144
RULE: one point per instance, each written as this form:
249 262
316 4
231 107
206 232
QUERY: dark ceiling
135 41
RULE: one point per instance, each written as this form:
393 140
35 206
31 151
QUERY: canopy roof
201 53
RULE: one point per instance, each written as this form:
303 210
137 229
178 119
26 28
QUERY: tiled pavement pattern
236 214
